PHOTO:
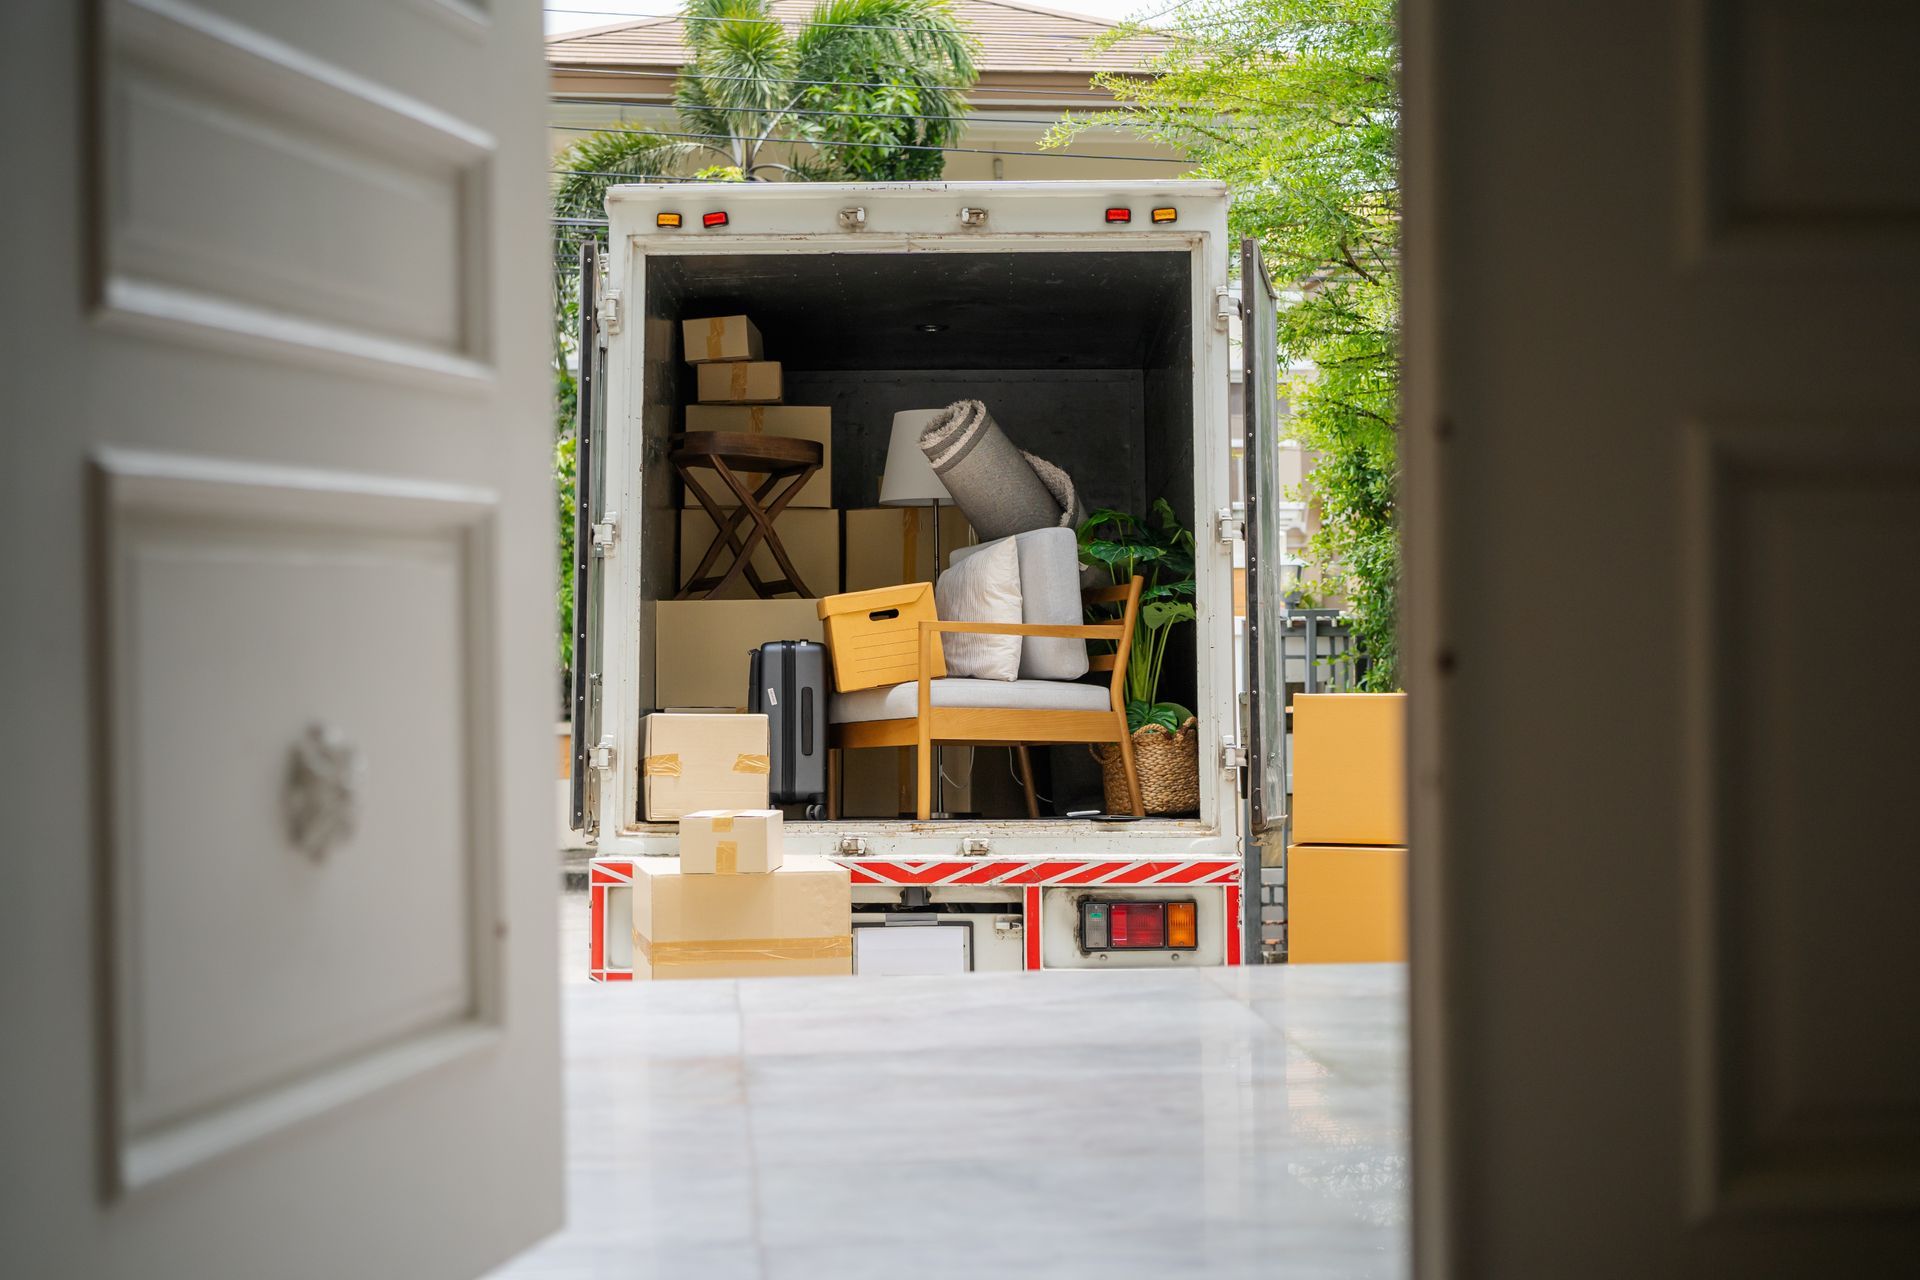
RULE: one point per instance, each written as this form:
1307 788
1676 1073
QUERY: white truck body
1060 860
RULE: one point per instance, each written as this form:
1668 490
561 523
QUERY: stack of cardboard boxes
1347 863
701 646
731 905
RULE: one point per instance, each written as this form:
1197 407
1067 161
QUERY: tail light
1119 215
712 220
1139 926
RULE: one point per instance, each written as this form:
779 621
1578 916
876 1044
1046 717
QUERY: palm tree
864 90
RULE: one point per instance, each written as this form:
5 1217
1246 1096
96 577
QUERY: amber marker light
1165 215
666 220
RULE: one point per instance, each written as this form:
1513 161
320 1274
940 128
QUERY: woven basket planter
1168 765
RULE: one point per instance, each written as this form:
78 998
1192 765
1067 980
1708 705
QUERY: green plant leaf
1164 613
1106 515
1165 716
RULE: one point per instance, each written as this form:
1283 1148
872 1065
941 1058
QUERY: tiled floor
1194 1123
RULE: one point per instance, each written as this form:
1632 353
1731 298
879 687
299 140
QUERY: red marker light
1119 215
712 220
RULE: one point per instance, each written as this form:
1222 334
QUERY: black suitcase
788 683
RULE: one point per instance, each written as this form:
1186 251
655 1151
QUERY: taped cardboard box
811 537
1346 905
725 842
1349 768
738 382
888 546
795 921
795 421
695 762
701 648
720 338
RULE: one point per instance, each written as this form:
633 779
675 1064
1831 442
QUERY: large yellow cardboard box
798 421
811 537
720 338
1346 904
1349 768
694 762
725 842
887 546
738 382
701 647
797 920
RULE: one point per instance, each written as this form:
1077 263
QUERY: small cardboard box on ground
701 648
811 538
720 338
1346 904
725 842
738 382
874 636
794 921
695 762
887 546
795 421
1349 769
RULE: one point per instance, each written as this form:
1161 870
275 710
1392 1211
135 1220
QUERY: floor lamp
908 481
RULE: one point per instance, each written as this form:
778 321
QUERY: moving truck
1097 321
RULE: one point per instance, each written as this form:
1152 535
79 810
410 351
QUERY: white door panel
1663 508
276 909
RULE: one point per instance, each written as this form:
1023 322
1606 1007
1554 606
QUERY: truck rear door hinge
610 312
1226 307
605 532
1232 756
601 757
1228 527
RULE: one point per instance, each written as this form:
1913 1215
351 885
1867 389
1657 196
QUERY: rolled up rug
991 480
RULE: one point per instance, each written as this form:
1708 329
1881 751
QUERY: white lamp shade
909 480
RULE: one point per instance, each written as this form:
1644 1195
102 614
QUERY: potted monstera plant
1166 736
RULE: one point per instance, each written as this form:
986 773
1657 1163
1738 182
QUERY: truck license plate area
1138 926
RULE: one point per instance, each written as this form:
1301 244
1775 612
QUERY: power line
846 84
822 111
884 146
1028 33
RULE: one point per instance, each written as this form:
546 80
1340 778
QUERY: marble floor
1193 1123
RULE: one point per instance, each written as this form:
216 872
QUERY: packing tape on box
664 766
726 856
757 420
745 763
664 955
737 379
722 824
716 337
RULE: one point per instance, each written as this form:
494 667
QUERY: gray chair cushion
902 701
1050 596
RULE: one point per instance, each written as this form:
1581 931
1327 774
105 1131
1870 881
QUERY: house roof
1019 39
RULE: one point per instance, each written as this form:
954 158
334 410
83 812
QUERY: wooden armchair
975 713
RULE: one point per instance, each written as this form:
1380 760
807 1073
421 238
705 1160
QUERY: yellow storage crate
874 636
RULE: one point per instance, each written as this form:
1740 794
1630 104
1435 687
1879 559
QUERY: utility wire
1029 34
712 138
846 84
822 111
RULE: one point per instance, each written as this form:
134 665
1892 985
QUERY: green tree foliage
1295 104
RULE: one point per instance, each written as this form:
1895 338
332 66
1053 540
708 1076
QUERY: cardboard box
729 842
694 762
798 920
739 382
887 546
1349 768
874 636
701 648
811 537
796 421
1346 904
720 338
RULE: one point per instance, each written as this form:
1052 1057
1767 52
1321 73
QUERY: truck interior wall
1169 409
665 384
1090 421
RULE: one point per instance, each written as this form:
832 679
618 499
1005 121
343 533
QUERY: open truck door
591 530
1266 727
